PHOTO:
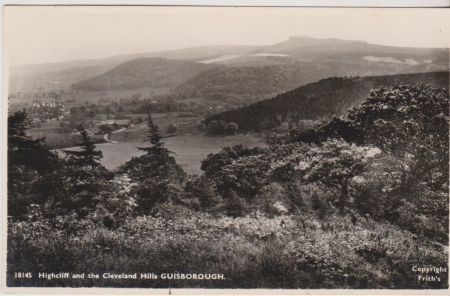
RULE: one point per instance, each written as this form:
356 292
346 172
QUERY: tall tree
88 156
157 150
159 177
85 177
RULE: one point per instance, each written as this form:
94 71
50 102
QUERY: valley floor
189 149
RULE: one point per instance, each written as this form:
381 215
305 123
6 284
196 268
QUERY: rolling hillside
53 76
235 74
150 72
318 100
275 69
248 83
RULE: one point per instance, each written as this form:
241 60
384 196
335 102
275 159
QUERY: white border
310 3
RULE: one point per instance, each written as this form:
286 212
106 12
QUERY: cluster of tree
219 127
175 103
162 104
87 112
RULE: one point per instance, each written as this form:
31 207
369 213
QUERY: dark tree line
31 167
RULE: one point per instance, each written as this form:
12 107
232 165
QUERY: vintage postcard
168 149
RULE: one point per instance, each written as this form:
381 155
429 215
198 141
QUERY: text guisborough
167 276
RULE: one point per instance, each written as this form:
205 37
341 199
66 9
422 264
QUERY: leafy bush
216 127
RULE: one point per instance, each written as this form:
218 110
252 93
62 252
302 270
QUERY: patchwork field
57 137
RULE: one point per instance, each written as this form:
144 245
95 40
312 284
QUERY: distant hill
152 72
324 98
275 69
55 80
304 59
306 48
53 76
192 53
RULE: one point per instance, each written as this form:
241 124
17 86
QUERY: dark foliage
321 99
199 189
85 179
31 167
214 162
157 150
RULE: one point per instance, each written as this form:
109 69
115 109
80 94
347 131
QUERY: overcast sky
55 34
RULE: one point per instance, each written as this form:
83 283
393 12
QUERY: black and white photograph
245 148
